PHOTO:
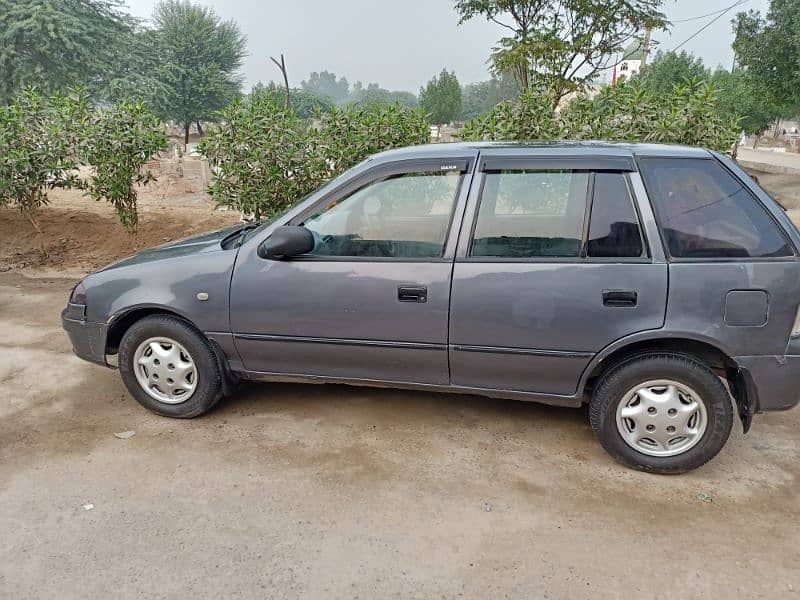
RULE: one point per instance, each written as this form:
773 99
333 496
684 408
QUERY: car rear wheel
665 413
169 368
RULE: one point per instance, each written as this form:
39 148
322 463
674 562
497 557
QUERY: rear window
704 212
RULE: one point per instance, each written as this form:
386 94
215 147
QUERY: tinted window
613 226
406 216
706 213
525 214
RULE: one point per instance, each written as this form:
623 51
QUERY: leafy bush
118 143
623 112
528 117
265 158
260 157
39 141
45 139
347 136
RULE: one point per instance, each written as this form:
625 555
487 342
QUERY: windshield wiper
238 234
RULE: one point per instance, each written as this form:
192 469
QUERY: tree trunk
282 66
186 134
200 129
33 222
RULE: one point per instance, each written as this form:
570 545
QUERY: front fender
195 287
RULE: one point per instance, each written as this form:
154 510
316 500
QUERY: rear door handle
412 293
620 298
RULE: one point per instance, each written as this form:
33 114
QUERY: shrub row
264 157
623 112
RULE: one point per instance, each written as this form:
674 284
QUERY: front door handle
620 298
412 293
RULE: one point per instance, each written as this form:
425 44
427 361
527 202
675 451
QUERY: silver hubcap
661 418
165 370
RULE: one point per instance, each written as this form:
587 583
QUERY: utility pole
646 46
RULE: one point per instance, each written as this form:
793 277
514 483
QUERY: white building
630 62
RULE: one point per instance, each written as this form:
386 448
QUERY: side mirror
286 242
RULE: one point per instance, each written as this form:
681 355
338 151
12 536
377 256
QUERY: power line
707 25
697 18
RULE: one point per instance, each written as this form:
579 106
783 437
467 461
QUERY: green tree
670 68
137 72
769 48
304 103
54 44
559 46
402 98
481 97
325 83
198 61
371 95
374 94
441 98
738 94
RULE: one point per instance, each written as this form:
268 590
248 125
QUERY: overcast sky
401 44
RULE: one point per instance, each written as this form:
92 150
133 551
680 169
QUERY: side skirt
551 399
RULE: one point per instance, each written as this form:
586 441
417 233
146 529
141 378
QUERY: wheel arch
685 344
122 321
119 323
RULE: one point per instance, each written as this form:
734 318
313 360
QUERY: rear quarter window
705 212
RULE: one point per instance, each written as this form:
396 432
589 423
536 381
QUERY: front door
553 268
371 301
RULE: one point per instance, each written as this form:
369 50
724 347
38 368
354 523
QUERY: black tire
613 386
208 388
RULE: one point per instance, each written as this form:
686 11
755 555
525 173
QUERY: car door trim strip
412 345
525 351
339 341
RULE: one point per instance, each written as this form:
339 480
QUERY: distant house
630 62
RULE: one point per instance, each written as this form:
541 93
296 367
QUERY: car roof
561 148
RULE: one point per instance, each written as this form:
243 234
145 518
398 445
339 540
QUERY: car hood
206 242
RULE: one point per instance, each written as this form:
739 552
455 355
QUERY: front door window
402 216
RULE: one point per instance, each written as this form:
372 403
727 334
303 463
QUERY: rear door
552 266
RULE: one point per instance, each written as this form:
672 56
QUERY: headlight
78 295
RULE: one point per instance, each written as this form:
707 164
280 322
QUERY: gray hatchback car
658 284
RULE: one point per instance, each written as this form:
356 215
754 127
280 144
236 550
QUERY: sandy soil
290 491
79 235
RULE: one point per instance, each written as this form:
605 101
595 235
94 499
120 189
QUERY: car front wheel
169 368
664 413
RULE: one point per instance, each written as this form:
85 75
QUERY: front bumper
88 339
773 382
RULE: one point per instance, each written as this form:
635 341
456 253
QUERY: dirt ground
290 491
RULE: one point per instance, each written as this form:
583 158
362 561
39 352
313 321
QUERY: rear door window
705 212
614 230
531 214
